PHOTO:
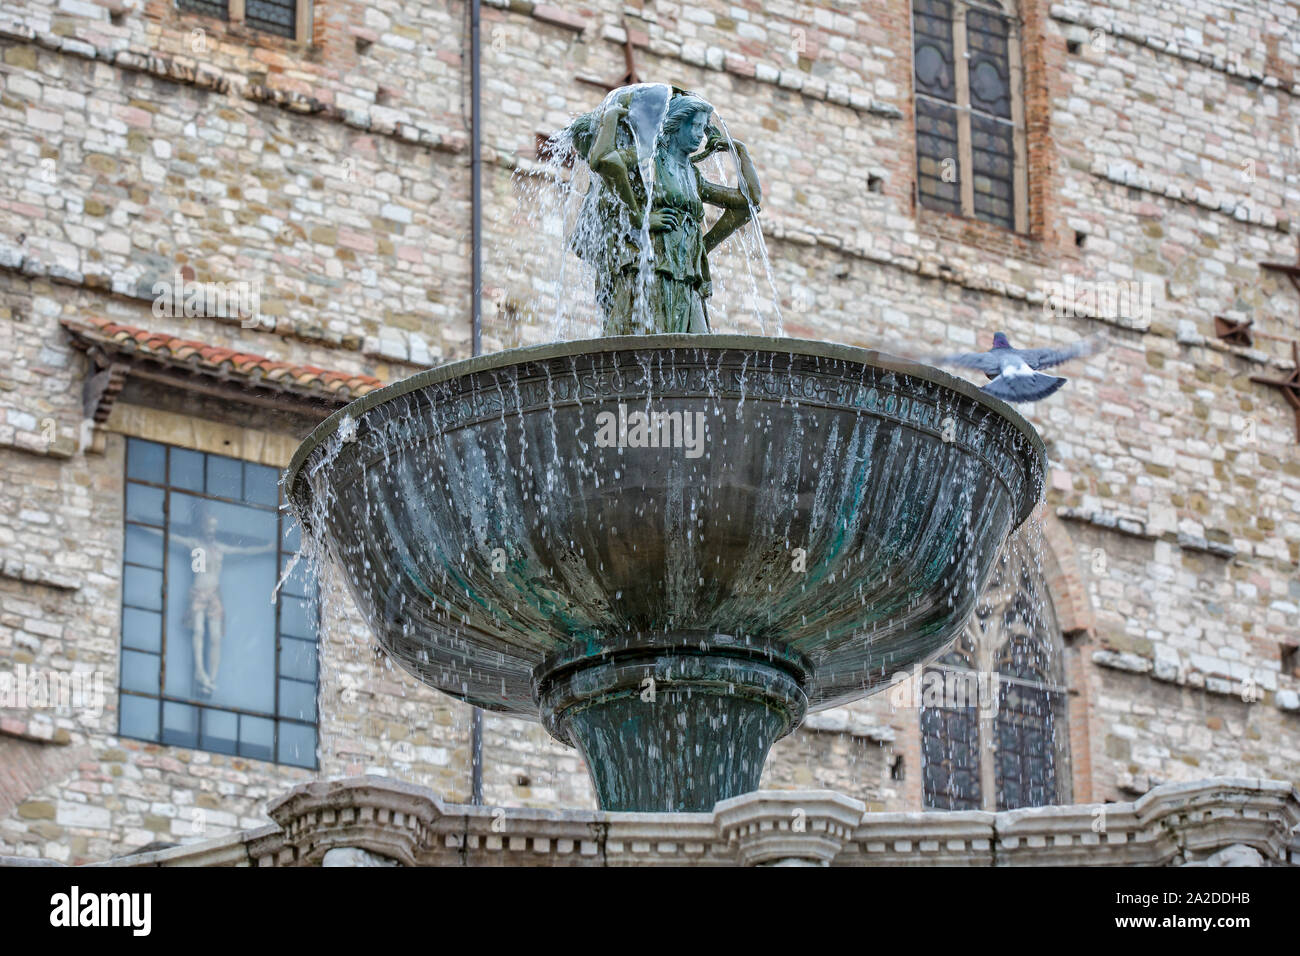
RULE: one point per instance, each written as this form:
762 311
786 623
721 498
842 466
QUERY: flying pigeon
1014 371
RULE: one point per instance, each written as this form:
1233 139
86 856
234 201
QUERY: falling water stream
544 290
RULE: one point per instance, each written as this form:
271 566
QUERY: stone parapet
379 821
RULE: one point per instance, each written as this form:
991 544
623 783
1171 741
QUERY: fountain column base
672 724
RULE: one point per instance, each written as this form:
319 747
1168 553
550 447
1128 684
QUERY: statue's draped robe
678 269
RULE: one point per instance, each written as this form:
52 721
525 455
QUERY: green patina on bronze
645 606
540 533
663 287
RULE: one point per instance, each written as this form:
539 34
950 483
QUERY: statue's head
583 131
207 520
687 121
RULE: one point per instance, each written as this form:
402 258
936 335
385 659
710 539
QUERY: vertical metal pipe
476 179
476 301
476 758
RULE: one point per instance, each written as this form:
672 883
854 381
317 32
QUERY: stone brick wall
1162 149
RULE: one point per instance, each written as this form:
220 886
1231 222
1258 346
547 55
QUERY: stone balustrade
378 821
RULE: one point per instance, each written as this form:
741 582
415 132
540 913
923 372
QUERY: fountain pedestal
673 723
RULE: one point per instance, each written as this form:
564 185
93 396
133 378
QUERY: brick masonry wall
1162 148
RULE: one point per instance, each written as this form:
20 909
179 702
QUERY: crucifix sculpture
205 613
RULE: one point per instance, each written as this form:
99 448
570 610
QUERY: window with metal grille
1029 709
970 136
1014 753
208 661
280 17
272 16
209 8
950 745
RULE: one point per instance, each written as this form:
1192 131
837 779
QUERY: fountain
666 544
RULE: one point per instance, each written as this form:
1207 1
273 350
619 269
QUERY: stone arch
1068 585
1066 581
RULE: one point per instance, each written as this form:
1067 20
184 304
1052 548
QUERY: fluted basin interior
668 548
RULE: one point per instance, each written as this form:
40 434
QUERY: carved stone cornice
943 838
385 817
1175 824
1207 815
788 827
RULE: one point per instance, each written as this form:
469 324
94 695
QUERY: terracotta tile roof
227 364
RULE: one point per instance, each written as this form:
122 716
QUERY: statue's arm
736 215
738 203
252 549
728 222
733 197
610 163
728 197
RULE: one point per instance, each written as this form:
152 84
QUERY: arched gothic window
970 126
998 738
950 736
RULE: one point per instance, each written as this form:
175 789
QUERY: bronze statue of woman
653 273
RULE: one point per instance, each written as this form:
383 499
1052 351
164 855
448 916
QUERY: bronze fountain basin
668 548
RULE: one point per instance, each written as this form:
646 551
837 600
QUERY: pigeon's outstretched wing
1046 358
987 362
1024 388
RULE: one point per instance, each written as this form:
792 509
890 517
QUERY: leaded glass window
1004 743
280 17
936 106
970 136
1026 722
950 743
209 8
208 661
273 16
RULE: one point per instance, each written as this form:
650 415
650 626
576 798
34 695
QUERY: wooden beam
102 388
237 391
